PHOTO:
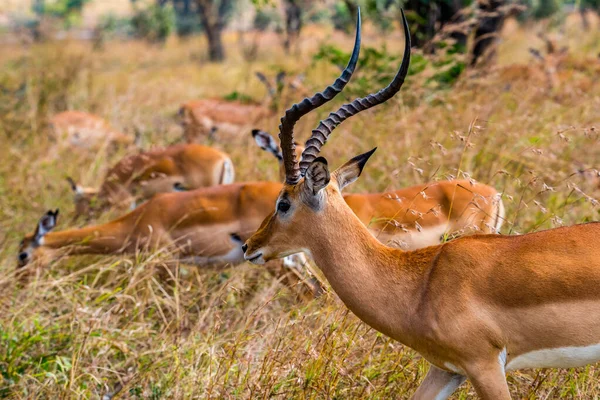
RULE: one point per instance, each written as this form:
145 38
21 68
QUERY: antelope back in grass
204 227
85 131
417 216
219 119
138 177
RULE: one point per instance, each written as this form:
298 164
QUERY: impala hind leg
438 385
489 381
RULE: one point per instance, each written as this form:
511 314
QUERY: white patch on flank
502 359
413 239
501 215
561 357
453 368
228 172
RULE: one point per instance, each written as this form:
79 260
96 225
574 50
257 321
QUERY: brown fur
84 130
459 304
200 117
140 176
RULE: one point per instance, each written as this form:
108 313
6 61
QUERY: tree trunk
293 23
450 13
488 27
213 23
216 51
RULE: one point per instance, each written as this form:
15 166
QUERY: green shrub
154 23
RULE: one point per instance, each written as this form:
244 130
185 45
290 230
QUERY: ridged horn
321 133
298 110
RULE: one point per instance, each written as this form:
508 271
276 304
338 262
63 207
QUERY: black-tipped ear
266 142
46 224
317 175
349 172
72 184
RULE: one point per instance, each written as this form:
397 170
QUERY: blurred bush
153 22
267 18
377 67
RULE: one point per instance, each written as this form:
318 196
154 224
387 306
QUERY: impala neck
105 238
379 284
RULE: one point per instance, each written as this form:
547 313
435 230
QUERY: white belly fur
561 357
413 239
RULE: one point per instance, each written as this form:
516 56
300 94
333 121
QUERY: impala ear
349 172
317 176
261 77
266 142
45 225
74 186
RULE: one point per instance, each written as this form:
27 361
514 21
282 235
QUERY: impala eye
283 206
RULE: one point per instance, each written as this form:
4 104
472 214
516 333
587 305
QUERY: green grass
90 325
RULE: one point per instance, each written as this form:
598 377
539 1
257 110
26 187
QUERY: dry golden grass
89 326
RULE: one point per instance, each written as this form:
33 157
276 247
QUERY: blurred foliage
69 11
240 97
267 18
377 67
154 22
544 8
342 17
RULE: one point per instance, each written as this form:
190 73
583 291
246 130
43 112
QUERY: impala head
305 211
311 204
31 248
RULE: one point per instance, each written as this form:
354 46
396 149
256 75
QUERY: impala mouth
255 259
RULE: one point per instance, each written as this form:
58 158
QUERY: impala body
420 215
140 176
201 119
84 130
474 307
218 118
204 227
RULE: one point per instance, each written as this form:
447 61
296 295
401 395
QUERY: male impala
85 130
140 176
474 307
420 215
202 119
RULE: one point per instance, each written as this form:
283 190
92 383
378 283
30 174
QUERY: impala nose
244 247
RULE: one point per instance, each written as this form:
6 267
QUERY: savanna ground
89 326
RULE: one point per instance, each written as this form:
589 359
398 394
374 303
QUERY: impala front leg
438 385
489 380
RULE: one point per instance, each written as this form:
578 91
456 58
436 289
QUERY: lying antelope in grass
474 307
204 227
417 216
84 130
203 119
138 177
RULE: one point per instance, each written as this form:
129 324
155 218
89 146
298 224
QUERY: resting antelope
474 307
420 215
203 119
204 227
84 130
140 176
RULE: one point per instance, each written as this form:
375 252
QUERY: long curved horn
321 133
298 110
